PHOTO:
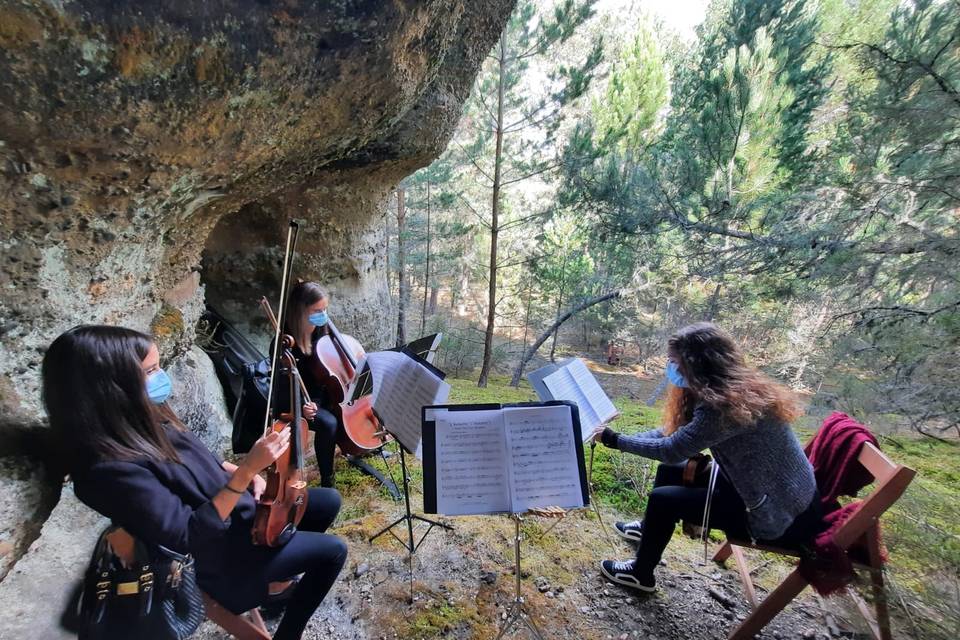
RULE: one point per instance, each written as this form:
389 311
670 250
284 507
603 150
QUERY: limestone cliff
130 131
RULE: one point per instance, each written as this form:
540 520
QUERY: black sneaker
622 573
632 531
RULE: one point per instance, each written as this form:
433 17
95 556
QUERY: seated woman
765 489
133 461
306 322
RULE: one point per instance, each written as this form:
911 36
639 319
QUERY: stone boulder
197 398
36 592
25 502
150 157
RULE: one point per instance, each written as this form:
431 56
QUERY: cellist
133 461
306 321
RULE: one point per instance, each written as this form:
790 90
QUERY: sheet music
564 387
401 388
598 400
471 463
543 468
574 382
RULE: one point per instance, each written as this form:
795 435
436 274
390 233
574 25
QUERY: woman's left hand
597 433
259 484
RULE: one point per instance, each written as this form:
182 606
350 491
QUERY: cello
334 364
284 500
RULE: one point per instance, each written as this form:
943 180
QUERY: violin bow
593 498
292 232
268 310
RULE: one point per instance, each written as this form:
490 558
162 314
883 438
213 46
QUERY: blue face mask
158 386
674 375
318 319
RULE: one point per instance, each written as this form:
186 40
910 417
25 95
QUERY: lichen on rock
133 134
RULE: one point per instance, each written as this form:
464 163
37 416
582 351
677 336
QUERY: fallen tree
528 354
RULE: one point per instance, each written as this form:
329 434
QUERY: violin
284 500
334 364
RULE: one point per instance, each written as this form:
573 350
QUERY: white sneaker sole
627 580
630 537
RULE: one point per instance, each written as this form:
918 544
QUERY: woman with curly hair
764 488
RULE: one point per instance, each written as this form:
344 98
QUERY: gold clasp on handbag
127 588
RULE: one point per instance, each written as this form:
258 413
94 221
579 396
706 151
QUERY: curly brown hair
717 375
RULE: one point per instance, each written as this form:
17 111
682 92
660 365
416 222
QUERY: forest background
788 170
791 173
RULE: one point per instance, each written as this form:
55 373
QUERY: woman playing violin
133 461
765 488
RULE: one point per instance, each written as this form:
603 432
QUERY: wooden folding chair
248 626
890 481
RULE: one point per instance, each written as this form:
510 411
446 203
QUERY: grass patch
437 617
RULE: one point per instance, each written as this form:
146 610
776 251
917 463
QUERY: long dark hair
95 393
716 374
302 296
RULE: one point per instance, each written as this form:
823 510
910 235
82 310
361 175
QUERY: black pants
324 427
670 502
319 556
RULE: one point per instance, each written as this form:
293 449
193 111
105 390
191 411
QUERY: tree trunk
403 285
494 223
426 269
434 295
389 279
563 284
714 304
526 319
518 372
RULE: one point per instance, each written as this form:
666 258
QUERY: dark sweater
171 504
305 367
763 461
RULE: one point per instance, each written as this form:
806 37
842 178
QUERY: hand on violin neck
265 451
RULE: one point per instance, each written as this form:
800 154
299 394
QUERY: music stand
408 517
518 613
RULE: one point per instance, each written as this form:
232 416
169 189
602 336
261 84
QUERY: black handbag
156 599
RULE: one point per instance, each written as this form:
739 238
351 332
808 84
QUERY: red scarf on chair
833 454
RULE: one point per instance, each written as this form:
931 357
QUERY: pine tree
513 128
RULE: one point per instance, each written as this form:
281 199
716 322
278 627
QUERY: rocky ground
463 583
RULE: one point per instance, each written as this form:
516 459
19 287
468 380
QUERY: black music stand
364 386
518 613
408 517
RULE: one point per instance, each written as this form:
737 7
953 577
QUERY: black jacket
317 391
171 504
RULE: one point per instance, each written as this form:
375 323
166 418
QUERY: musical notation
506 460
574 382
401 387
471 463
543 458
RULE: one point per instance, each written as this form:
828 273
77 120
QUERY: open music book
571 380
491 458
400 384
